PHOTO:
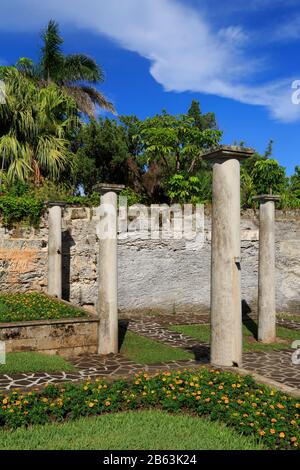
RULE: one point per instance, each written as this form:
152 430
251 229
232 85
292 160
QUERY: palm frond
98 98
52 60
79 67
52 154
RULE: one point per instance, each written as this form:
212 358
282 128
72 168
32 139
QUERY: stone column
226 311
266 270
55 249
108 270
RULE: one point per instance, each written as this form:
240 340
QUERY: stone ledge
62 321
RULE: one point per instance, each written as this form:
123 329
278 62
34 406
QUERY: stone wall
171 275
68 338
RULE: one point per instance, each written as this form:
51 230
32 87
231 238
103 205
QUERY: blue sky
237 58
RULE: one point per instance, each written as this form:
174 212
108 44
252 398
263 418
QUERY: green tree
201 121
75 74
172 145
102 154
34 123
268 176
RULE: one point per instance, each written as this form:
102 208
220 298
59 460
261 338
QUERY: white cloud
185 52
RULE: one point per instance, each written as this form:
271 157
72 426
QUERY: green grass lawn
35 306
202 333
146 351
26 362
144 430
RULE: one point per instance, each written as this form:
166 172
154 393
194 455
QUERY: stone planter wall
68 338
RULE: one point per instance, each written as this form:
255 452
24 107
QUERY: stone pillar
226 311
108 270
266 270
55 249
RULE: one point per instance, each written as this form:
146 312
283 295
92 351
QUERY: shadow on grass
249 323
123 327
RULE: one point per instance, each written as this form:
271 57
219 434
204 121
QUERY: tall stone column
226 311
108 270
55 249
266 270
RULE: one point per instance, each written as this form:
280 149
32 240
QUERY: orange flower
272 431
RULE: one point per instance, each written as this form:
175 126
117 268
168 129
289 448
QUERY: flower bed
270 416
35 306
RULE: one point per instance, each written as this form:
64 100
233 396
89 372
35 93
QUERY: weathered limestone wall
168 274
68 338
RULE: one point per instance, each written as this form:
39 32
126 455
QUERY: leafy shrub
190 189
254 410
20 209
132 197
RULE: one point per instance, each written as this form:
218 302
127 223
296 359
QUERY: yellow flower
293 422
233 385
107 403
5 401
273 420
272 431
91 405
262 433
281 435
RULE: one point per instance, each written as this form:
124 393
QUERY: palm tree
75 74
34 126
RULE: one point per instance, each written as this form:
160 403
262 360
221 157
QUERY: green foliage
189 190
269 416
20 209
102 154
201 121
176 142
34 129
132 197
268 176
34 306
93 200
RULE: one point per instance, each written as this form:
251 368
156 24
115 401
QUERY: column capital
266 198
103 188
50 204
227 152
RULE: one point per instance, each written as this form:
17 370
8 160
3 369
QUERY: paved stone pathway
90 367
275 365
